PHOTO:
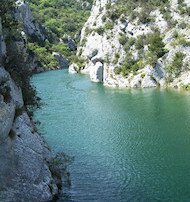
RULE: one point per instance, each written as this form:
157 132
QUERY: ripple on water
129 145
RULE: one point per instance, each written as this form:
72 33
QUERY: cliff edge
24 170
136 45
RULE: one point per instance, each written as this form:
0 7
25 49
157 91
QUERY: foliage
44 56
79 61
15 59
59 168
144 16
61 17
140 42
109 25
151 58
129 44
180 40
186 87
183 25
100 30
123 39
116 10
129 65
156 45
176 66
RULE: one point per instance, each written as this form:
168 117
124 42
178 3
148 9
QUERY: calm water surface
129 145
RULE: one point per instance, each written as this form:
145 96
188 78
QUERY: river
128 145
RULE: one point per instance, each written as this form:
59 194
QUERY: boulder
136 82
148 82
96 72
73 68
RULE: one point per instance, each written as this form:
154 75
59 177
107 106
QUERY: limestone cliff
24 170
31 29
34 32
141 44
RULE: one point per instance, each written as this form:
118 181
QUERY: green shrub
188 10
183 25
44 56
151 58
104 18
61 48
123 39
100 30
176 66
144 16
175 34
88 31
129 65
129 44
117 56
180 40
117 70
63 18
81 62
186 87
156 45
140 42
109 25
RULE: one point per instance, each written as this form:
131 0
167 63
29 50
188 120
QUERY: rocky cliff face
138 47
24 15
31 29
36 33
24 156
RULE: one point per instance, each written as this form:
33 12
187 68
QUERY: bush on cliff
15 62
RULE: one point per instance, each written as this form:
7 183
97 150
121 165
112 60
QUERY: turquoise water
129 145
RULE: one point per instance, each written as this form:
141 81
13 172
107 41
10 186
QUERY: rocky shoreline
25 173
110 41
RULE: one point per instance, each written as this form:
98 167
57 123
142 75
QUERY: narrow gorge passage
128 145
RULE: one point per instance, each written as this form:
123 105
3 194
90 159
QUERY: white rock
136 82
105 47
148 82
96 72
73 68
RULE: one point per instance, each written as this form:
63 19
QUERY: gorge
126 132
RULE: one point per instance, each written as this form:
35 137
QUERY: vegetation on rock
15 61
63 19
